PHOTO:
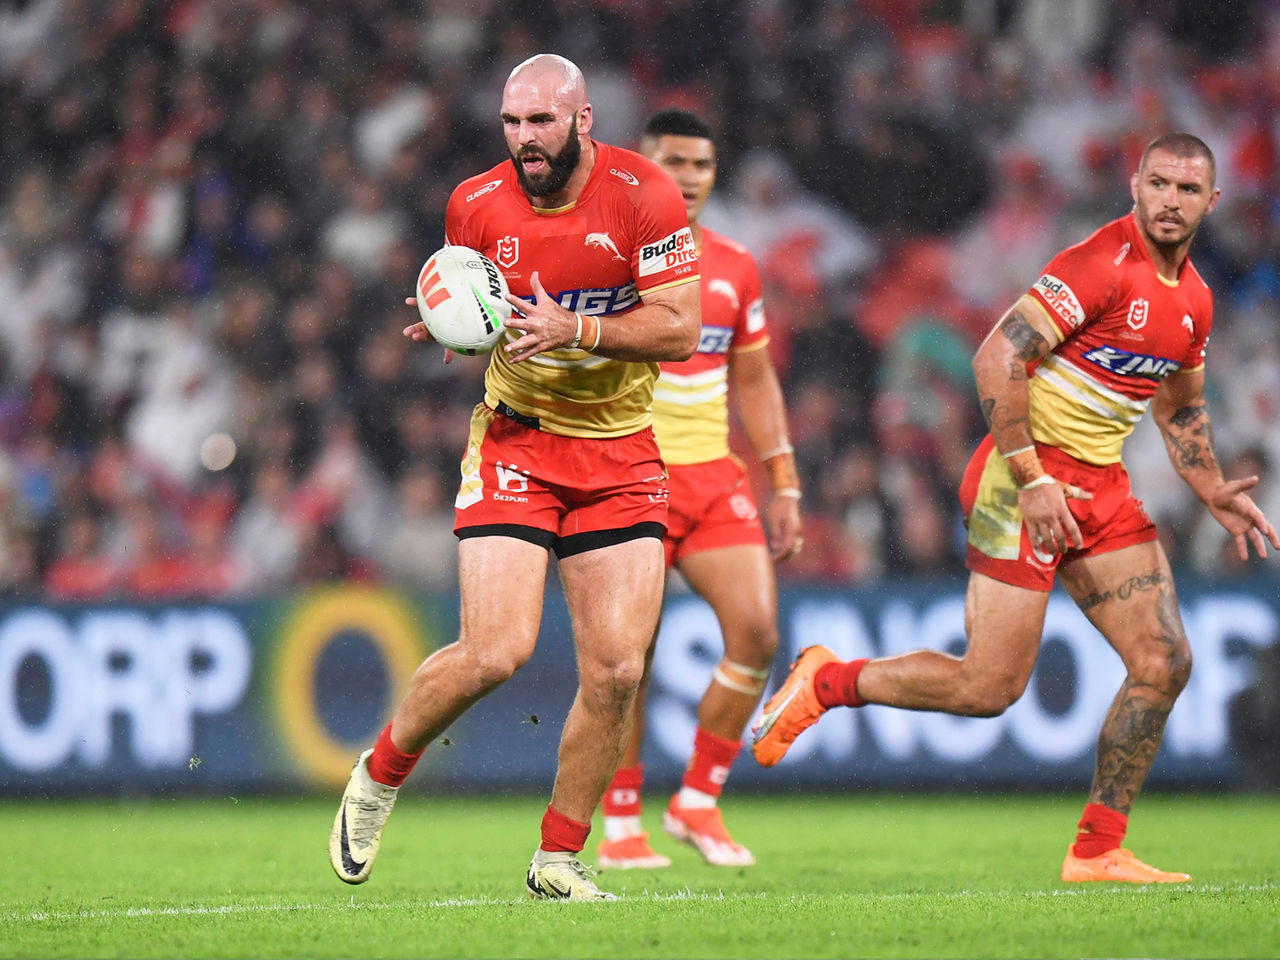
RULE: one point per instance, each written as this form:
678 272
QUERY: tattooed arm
1023 335
1180 413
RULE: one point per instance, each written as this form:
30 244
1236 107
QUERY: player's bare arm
758 397
1023 335
664 327
1180 413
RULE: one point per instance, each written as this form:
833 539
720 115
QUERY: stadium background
225 479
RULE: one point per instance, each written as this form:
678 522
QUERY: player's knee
613 682
1163 666
754 647
491 667
994 696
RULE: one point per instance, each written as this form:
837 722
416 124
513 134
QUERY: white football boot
357 829
561 876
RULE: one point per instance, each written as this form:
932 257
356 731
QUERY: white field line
231 909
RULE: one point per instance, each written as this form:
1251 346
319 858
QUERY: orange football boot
792 710
1115 866
629 853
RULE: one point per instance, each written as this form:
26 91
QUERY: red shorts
570 494
998 543
711 506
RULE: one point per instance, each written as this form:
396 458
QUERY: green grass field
862 875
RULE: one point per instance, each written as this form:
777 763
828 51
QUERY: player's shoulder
631 175
475 191
1198 286
1112 242
718 241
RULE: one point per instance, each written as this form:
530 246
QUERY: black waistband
521 418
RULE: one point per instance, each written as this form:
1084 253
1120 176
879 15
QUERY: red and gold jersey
690 401
1126 328
626 236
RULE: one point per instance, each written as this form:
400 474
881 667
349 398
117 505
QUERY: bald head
553 76
546 120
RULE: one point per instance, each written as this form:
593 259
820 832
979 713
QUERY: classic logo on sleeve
1061 299
481 191
672 251
755 316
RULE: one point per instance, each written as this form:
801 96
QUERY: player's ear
1213 201
585 119
1133 187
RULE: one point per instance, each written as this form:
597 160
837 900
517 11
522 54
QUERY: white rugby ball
460 297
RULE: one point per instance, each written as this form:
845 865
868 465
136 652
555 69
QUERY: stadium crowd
211 212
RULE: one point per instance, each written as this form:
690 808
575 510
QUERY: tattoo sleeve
1189 436
1027 342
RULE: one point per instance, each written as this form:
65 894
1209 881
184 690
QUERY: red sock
622 799
388 764
709 766
1101 829
836 684
559 833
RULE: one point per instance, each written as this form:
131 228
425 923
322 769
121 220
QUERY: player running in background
1115 324
714 535
596 248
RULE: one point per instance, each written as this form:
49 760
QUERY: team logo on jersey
1124 363
1124 252
1138 313
1061 299
1189 324
481 191
674 250
626 176
755 316
605 242
508 251
724 287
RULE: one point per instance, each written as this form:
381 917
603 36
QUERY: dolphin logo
605 242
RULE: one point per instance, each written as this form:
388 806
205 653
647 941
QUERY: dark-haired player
714 533
1114 325
596 249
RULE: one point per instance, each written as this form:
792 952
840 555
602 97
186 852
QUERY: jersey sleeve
664 253
1194 360
455 233
1077 286
750 330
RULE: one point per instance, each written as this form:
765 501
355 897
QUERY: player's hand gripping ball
461 299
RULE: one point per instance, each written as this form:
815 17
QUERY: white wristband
577 337
599 330
779 450
1013 453
792 492
1043 480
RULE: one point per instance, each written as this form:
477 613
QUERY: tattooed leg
1138 614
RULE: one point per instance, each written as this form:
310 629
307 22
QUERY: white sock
542 857
692 799
619 828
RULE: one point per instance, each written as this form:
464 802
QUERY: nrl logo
1138 313
508 251
604 242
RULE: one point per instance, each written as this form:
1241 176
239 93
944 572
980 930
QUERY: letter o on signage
38 633
319 619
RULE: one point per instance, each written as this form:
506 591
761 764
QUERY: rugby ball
460 297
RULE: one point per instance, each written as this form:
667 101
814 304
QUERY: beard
560 168
1149 227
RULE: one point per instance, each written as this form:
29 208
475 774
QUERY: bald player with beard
597 251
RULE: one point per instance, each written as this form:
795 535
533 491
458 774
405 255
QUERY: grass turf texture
861 875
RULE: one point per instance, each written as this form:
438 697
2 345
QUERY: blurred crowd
212 210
